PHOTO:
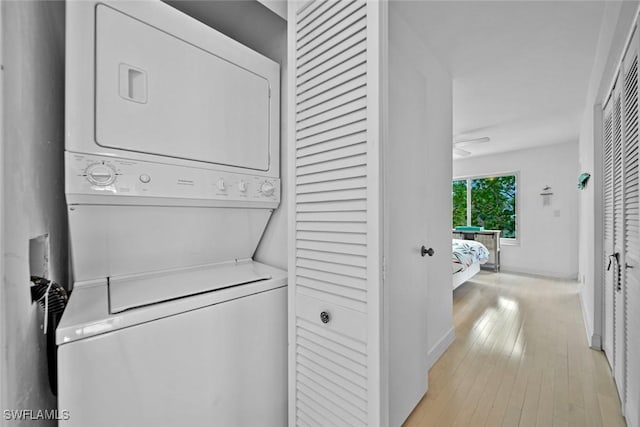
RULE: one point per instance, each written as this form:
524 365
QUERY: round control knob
100 174
325 317
242 186
267 188
145 179
220 184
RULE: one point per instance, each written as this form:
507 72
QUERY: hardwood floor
520 358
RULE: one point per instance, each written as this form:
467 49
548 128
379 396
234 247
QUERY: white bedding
467 252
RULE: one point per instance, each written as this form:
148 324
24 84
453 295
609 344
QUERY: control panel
98 175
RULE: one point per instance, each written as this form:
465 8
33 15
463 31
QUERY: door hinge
384 268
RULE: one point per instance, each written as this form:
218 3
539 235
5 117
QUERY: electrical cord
52 299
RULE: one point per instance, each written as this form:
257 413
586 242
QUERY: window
488 202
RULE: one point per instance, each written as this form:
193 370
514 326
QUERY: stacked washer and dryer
172 174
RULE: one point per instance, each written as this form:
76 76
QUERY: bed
467 256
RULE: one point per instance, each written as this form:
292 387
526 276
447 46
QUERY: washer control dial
242 186
267 188
100 174
220 184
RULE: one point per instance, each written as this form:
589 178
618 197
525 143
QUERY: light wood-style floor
520 359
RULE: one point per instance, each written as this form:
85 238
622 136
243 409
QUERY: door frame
596 340
3 386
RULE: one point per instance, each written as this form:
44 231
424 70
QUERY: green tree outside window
460 202
493 203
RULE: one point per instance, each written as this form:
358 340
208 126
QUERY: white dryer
172 174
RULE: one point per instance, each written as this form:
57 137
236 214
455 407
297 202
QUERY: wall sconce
546 195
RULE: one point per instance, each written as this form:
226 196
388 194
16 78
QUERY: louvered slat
338 297
339 290
334 185
332 175
333 226
330 277
354 216
340 248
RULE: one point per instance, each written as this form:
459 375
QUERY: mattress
467 252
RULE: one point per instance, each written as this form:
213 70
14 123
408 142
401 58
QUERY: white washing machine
172 174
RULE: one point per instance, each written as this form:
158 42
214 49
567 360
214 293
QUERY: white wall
33 185
616 24
261 29
548 235
406 46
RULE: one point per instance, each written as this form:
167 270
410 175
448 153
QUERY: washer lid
87 314
131 291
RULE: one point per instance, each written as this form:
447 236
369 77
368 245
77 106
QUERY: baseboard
440 347
594 340
540 273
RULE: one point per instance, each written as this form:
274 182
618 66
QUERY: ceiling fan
464 153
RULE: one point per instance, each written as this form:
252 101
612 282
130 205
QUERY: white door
607 341
613 169
631 272
621 157
335 263
617 256
406 216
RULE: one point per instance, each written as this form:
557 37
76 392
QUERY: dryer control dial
267 188
100 174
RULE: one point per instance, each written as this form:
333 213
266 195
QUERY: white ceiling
521 68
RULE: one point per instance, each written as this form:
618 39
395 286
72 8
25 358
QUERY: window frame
503 240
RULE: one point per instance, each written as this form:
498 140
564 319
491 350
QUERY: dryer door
163 95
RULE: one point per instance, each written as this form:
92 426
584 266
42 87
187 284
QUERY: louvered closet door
609 290
618 241
334 269
631 282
